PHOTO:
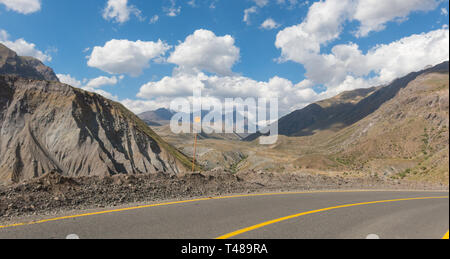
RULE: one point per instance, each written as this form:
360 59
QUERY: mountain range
397 130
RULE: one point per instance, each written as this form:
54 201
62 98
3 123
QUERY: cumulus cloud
23 48
203 50
140 106
215 88
68 79
269 24
322 24
22 6
91 85
325 19
119 11
126 57
102 81
346 65
373 15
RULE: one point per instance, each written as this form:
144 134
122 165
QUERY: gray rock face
48 126
28 67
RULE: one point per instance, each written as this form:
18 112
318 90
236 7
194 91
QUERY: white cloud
409 54
92 84
269 24
216 88
140 106
247 13
23 48
348 68
373 15
68 79
22 6
444 11
261 3
119 11
126 57
324 23
203 50
102 81
172 10
292 3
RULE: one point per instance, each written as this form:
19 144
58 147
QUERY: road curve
303 215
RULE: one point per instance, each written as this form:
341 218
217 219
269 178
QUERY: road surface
303 215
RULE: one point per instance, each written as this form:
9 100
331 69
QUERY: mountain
48 126
27 67
161 116
343 110
159 120
410 130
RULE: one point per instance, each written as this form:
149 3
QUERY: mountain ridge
47 126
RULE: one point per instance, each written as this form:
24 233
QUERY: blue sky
296 58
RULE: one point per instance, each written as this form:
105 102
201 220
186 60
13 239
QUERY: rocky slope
48 126
408 135
28 67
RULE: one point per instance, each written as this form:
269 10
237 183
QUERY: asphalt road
295 216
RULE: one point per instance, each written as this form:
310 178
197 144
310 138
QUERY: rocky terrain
48 126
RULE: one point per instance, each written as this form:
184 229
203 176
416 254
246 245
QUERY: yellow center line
176 202
244 230
445 236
